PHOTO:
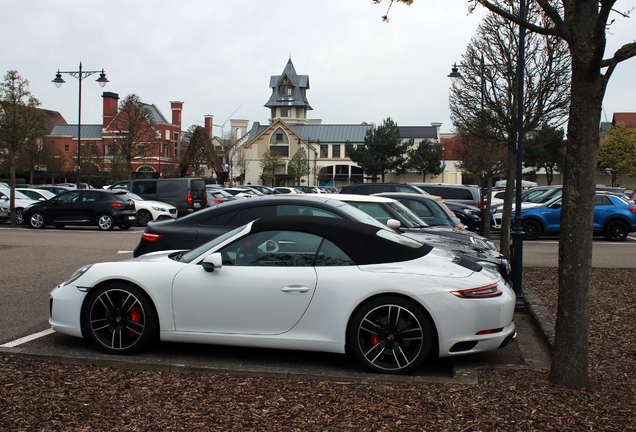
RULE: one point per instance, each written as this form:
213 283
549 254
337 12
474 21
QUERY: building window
285 90
346 152
285 112
283 151
168 135
176 137
324 151
279 137
335 151
66 148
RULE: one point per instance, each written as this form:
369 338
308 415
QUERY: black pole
517 232
79 128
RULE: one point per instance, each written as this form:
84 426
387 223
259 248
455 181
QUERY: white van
524 184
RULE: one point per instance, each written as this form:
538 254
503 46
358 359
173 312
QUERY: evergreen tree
298 166
426 158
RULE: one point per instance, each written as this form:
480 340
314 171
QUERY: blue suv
613 218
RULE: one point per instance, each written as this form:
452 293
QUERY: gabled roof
88 131
311 132
298 82
156 114
628 118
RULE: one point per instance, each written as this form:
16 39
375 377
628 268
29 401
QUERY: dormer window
285 90
279 137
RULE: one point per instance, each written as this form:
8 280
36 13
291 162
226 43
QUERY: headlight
159 209
78 273
472 212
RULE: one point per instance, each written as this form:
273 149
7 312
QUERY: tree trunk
571 347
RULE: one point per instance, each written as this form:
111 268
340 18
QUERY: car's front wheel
105 222
616 230
36 220
120 319
532 228
143 217
19 216
390 335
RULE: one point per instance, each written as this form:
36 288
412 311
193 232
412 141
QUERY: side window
244 216
145 187
219 220
417 207
169 187
91 196
331 255
406 189
456 193
69 197
273 249
299 210
373 210
123 186
381 188
602 200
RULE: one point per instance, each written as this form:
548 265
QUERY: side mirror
393 223
212 261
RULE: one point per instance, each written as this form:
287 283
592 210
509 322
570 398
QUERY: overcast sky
217 56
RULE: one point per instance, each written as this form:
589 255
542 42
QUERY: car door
552 216
603 208
63 207
264 287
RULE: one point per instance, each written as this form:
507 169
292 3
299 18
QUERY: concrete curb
539 313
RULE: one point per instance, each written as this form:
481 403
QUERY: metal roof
418 131
156 114
88 131
324 133
298 82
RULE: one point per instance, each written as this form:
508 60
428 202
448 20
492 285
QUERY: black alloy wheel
120 319
532 229
143 217
616 230
390 335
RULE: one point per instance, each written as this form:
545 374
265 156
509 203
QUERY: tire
120 319
124 227
19 216
143 217
105 222
37 220
532 229
390 335
616 230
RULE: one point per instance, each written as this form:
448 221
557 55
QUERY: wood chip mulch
42 396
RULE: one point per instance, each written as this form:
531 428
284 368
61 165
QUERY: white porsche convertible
304 283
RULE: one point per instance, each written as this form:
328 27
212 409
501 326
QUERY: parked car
286 190
148 210
21 202
259 188
36 194
104 208
241 192
458 193
398 301
191 231
613 218
535 197
310 189
57 189
429 208
374 188
216 196
467 214
186 194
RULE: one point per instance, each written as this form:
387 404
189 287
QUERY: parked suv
375 188
186 194
459 193
104 208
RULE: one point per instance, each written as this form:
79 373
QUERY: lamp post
79 75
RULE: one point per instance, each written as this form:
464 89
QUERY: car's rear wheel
616 230
143 217
105 222
19 216
120 319
36 220
532 228
390 335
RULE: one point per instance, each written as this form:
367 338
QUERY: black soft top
359 241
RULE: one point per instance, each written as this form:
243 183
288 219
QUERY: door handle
295 289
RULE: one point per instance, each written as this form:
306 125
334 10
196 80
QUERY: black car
195 229
104 208
468 215
57 189
375 188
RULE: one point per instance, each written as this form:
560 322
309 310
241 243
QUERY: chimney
176 107
208 125
110 107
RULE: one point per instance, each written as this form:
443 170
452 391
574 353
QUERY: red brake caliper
135 315
374 339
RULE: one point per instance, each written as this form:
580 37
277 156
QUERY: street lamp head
102 79
455 75
58 79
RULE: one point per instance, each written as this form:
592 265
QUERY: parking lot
35 261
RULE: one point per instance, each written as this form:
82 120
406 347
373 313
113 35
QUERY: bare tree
134 131
582 24
198 150
271 164
483 101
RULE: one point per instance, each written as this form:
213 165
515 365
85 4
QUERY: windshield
195 253
411 218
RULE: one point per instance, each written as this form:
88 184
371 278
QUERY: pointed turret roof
289 77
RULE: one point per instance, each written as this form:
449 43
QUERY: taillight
459 227
480 205
150 237
632 209
475 293
491 331
189 199
216 200
118 205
